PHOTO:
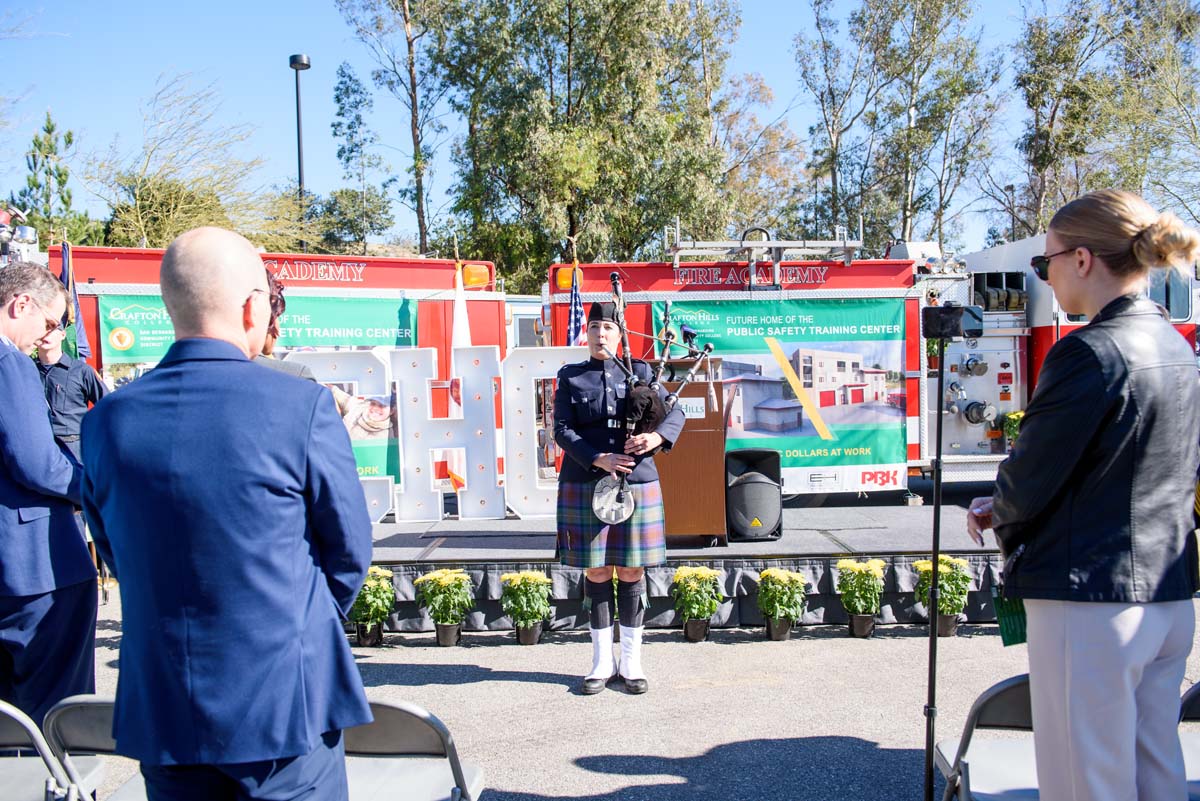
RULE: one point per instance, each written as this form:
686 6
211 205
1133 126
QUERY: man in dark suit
47 579
225 498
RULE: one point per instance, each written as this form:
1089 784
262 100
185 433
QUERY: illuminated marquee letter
413 370
523 367
357 373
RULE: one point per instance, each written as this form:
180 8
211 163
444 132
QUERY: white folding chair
992 769
407 753
82 725
28 778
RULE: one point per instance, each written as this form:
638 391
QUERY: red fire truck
333 301
822 356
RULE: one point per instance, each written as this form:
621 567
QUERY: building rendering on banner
838 378
758 403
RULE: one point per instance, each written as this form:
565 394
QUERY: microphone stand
934 593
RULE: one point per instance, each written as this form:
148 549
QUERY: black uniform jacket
1097 494
71 384
589 419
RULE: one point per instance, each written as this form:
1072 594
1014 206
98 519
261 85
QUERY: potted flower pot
935 362
947 625
862 625
369 636
448 633
695 630
779 628
529 635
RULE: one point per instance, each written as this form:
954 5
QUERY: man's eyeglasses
51 325
1041 264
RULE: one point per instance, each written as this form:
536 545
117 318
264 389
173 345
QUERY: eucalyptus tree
366 209
589 124
844 76
936 112
1151 103
400 34
1059 73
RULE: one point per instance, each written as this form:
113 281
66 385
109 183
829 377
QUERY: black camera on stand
951 321
947 321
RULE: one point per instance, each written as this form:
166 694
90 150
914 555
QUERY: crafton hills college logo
121 338
136 314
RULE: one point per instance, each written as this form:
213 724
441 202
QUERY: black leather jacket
1095 502
589 419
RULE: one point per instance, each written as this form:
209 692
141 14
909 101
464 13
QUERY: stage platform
813 541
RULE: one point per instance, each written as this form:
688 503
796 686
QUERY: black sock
631 602
600 594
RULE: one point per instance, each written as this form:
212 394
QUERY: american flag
576 333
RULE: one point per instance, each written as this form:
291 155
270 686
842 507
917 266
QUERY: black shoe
593 686
636 686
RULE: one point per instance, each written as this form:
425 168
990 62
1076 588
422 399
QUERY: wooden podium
693 473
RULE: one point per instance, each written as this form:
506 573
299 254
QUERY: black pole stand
931 700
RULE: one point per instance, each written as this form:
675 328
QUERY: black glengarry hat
602 311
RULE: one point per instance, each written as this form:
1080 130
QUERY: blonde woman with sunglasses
1094 510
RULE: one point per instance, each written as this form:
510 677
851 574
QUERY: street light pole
299 62
1010 190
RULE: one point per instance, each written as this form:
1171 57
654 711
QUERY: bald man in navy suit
224 495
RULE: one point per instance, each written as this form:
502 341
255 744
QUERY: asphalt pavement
821 717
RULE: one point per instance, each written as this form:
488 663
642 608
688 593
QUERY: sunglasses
1041 264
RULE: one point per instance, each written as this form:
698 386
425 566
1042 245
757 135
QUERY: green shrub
697 592
1012 425
375 599
525 597
860 585
953 582
781 594
446 594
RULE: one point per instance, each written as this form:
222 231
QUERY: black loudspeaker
753 495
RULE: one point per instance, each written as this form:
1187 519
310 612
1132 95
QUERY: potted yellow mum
697 594
525 597
1012 426
447 595
371 608
781 599
954 580
860 584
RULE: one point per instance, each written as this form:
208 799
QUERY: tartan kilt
584 540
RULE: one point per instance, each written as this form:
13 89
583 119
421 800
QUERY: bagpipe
645 409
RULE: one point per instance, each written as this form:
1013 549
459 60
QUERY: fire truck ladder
759 251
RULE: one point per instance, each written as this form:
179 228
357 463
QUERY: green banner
359 322
377 458
740 326
819 380
136 329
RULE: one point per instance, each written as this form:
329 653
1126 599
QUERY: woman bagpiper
590 427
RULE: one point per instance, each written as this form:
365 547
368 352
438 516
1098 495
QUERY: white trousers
1104 683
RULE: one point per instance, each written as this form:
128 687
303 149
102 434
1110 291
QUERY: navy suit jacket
224 495
41 545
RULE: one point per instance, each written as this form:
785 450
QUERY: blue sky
94 64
